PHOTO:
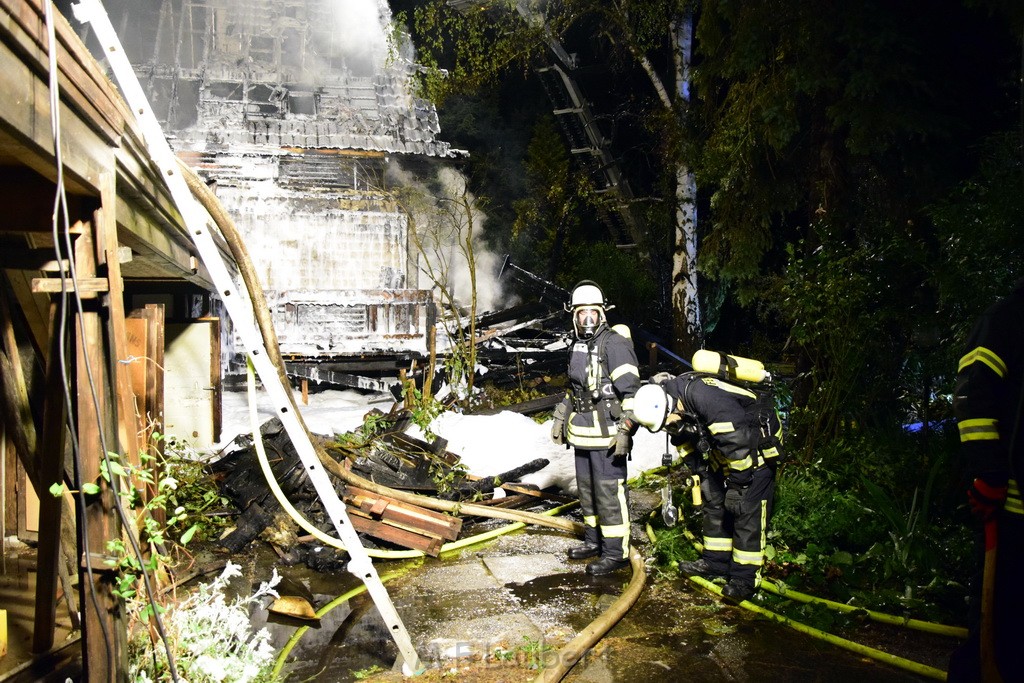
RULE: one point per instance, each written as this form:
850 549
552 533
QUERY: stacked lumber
400 523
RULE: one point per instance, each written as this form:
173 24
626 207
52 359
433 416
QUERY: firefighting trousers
1008 599
601 482
734 540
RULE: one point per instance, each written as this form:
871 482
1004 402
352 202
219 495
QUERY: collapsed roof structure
293 110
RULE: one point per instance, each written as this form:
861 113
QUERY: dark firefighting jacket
603 377
987 398
739 433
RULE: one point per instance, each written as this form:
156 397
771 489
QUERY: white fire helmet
651 406
588 307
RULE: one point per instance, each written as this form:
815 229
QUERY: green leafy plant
534 651
363 674
212 638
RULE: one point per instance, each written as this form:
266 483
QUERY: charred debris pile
388 457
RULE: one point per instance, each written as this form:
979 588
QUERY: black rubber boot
582 552
702 569
606 565
737 591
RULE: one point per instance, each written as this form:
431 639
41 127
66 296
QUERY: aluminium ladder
93 13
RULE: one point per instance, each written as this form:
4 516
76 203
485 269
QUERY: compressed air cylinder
729 367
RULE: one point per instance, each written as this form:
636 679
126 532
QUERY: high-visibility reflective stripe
593 444
747 556
615 530
620 493
587 430
624 369
1013 504
686 448
986 356
721 427
593 372
590 520
732 389
772 452
979 429
717 543
764 526
740 465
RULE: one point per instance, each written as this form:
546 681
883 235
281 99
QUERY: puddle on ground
518 591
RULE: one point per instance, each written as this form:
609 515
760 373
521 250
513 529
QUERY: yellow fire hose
576 648
784 591
878 655
299 632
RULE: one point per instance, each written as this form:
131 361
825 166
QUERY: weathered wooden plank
128 423
34 307
429 521
80 81
103 629
145 330
25 120
83 285
50 459
407 538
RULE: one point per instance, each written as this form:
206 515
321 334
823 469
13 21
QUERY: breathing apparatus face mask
586 320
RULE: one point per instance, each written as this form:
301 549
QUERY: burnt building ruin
292 110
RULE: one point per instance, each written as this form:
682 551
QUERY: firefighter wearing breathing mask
721 422
595 419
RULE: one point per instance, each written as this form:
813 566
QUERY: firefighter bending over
724 430
595 419
988 403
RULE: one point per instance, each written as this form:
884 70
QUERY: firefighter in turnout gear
988 403
594 418
733 440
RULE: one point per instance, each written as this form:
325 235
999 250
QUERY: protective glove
985 498
623 443
629 423
734 498
558 426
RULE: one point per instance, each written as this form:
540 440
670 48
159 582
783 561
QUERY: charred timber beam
488 484
318 374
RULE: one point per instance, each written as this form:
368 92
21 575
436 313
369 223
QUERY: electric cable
61 209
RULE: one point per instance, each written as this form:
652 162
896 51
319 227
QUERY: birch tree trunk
687 332
687 327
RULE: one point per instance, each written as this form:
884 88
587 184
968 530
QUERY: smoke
362 34
441 208
487 264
